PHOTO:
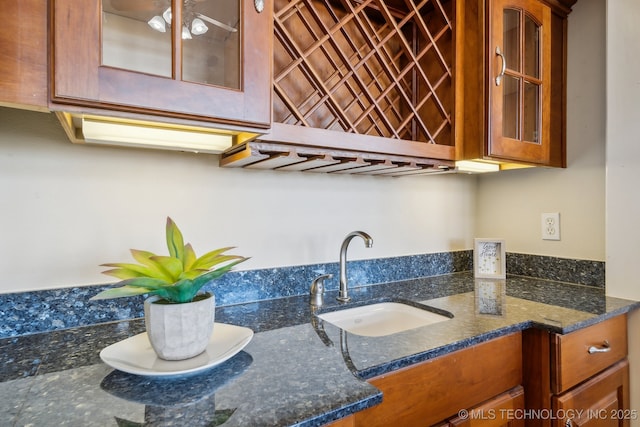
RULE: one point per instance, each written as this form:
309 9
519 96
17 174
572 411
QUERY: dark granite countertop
295 371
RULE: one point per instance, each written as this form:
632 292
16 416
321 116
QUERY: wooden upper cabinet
511 74
519 80
23 54
208 60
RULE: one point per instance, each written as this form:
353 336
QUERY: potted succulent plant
179 319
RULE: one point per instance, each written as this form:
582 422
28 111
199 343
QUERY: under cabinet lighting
473 166
101 131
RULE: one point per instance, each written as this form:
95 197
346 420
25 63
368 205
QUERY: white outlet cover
550 226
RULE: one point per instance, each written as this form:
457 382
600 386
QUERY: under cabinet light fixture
473 166
101 131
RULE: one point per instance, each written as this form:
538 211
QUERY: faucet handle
317 289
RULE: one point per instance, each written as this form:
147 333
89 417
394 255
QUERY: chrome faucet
343 295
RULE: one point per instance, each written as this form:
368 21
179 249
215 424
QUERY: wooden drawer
571 360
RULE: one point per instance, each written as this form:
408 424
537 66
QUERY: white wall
67 208
623 167
510 203
623 146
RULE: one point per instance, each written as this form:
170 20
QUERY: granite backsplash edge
47 310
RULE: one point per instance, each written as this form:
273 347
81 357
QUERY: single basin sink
380 319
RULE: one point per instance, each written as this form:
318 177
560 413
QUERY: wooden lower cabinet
23 54
601 401
578 379
534 378
434 391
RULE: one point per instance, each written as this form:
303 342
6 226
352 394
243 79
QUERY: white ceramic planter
179 331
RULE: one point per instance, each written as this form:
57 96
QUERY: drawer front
581 354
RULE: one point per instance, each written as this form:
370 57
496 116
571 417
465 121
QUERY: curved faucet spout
343 295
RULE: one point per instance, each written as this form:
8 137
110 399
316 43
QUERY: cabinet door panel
601 401
121 55
23 54
520 67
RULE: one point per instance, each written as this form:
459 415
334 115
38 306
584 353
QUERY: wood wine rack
370 67
373 77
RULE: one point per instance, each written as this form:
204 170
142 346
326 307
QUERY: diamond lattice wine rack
374 68
371 67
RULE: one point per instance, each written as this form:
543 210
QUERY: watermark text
548 414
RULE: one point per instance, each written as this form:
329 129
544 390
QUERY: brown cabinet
436 390
23 54
373 87
520 74
517 112
602 400
535 378
581 377
206 60
394 88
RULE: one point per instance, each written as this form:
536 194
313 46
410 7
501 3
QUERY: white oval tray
136 356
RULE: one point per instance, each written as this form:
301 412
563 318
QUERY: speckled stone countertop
296 370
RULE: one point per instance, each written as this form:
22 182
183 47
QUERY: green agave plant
177 278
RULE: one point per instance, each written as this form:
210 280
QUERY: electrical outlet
551 226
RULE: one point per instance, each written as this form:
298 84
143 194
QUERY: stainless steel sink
380 319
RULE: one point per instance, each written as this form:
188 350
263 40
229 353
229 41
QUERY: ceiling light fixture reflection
167 15
186 35
198 27
217 23
157 23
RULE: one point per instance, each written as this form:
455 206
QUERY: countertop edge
340 413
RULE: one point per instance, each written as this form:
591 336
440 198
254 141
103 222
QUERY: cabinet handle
259 5
606 347
504 66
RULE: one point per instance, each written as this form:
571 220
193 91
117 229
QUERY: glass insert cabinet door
205 58
138 36
520 73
